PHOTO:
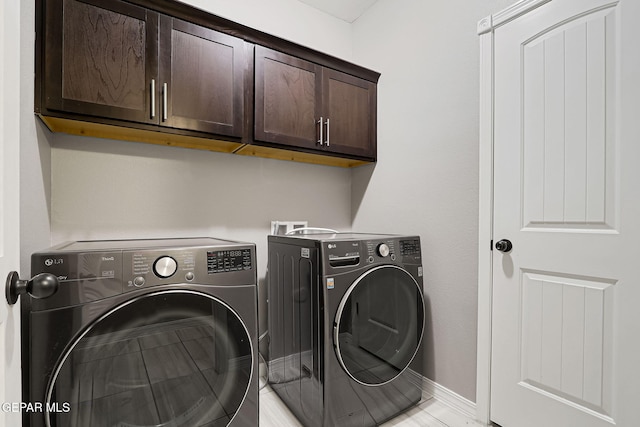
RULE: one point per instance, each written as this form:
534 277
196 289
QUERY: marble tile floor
428 413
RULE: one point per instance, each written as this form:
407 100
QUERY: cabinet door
101 57
349 105
201 78
287 99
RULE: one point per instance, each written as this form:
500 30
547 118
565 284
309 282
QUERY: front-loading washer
346 318
143 333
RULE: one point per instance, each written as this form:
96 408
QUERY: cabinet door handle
153 98
327 123
321 140
165 89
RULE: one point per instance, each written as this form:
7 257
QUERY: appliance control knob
383 250
165 266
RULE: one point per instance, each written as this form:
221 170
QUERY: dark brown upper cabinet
349 114
201 77
100 59
304 105
287 99
164 72
115 60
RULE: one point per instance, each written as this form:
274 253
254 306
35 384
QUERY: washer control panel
410 250
343 254
381 250
410 247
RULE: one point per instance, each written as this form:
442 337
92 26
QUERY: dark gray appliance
143 333
346 319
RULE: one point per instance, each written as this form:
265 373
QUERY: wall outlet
283 227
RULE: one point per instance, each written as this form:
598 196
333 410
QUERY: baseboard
448 397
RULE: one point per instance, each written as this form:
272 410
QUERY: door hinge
491 247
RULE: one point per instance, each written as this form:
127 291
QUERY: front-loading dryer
143 333
346 319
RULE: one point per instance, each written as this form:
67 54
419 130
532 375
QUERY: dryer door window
170 358
379 325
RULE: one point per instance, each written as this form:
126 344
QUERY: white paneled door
566 298
9 212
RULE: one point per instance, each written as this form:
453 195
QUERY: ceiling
347 10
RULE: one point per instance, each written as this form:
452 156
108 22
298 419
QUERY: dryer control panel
94 270
207 266
228 260
83 276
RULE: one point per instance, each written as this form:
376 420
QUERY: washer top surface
174 243
322 237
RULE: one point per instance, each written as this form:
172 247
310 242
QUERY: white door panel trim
572 280
10 390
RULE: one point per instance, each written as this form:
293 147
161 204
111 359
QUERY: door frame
10 132
486 33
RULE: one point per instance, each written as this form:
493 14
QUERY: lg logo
51 261
48 262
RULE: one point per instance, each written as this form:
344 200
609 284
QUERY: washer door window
172 358
379 325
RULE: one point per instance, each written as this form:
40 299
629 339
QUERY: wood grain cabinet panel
100 59
115 60
287 99
202 72
300 104
163 72
349 114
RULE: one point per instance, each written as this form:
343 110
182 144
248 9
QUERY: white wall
426 178
115 189
288 19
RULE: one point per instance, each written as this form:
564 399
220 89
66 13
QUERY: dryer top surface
175 243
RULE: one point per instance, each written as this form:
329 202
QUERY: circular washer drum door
169 358
379 325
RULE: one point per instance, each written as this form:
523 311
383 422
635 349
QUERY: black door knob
41 286
504 245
